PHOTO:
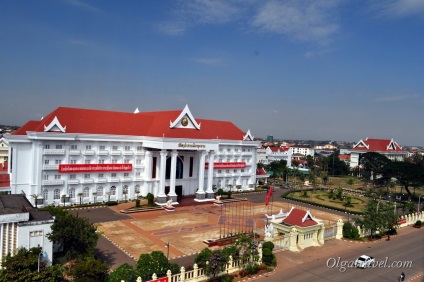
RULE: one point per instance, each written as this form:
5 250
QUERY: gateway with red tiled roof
84 155
386 147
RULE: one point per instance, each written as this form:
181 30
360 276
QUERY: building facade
386 147
86 156
23 226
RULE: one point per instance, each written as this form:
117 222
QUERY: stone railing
198 274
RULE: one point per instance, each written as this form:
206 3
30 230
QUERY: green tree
216 264
23 266
379 216
155 262
76 234
203 257
89 269
372 165
124 272
248 252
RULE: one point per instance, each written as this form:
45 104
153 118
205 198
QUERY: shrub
267 256
418 223
268 245
150 199
220 191
347 230
111 203
137 203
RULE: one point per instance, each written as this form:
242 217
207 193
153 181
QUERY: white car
364 261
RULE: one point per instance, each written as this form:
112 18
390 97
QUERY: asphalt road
321 265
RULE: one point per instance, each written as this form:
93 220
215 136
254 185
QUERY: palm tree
80 197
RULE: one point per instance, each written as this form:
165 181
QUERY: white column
209 190
200 194
148 165
162 171
174 156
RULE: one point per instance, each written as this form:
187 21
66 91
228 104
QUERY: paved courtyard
187 227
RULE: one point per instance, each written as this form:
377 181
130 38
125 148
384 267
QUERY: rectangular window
113 174
58 146
139 148
138 161
74 147
102 147
57 177
46 162
58 161
242 170
114 148
227 171
73 161
126 174
101 161
88 147
46 177
126 161
86 176
127 148
87 161
72 176
47 146
100 175
219 171
114 161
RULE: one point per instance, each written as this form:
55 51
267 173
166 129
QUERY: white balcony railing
51 167
126 179
138 178
103 153
115 153
53 182
128 153
73 181
139 153
139 165
74 152
54 151
87 180
114 179
88 152
101 180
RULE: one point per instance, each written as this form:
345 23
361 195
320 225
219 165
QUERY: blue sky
298 69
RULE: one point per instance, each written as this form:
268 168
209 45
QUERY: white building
4 150
23 226
275 154
386 147
305 150
75 155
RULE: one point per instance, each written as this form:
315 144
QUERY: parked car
364 261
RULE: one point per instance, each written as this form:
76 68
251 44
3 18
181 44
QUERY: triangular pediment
361 144
55 126
248 136
308 215
393 146
185 120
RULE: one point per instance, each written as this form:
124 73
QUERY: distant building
386 147
304 150
270 138
23 226
275 154
4 150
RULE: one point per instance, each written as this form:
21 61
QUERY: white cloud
83 5
399 8
299 19
172 28
210 11
209 61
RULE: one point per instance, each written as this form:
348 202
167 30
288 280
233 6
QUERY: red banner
268 195
75 168
402 221
227 165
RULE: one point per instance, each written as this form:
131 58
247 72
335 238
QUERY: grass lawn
322 197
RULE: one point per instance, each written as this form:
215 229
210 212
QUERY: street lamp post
167 254
40 255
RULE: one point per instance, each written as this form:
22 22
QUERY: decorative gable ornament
55 126
248 136
308 215
136 111
185 120
393 146
361 144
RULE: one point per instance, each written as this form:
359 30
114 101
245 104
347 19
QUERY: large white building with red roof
76 155
386 147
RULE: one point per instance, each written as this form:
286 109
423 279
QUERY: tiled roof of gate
295 218
150 124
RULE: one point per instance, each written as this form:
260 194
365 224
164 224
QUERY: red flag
268 195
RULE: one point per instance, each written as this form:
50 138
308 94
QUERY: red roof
344 157
296 216
377 145
152 124
260 171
